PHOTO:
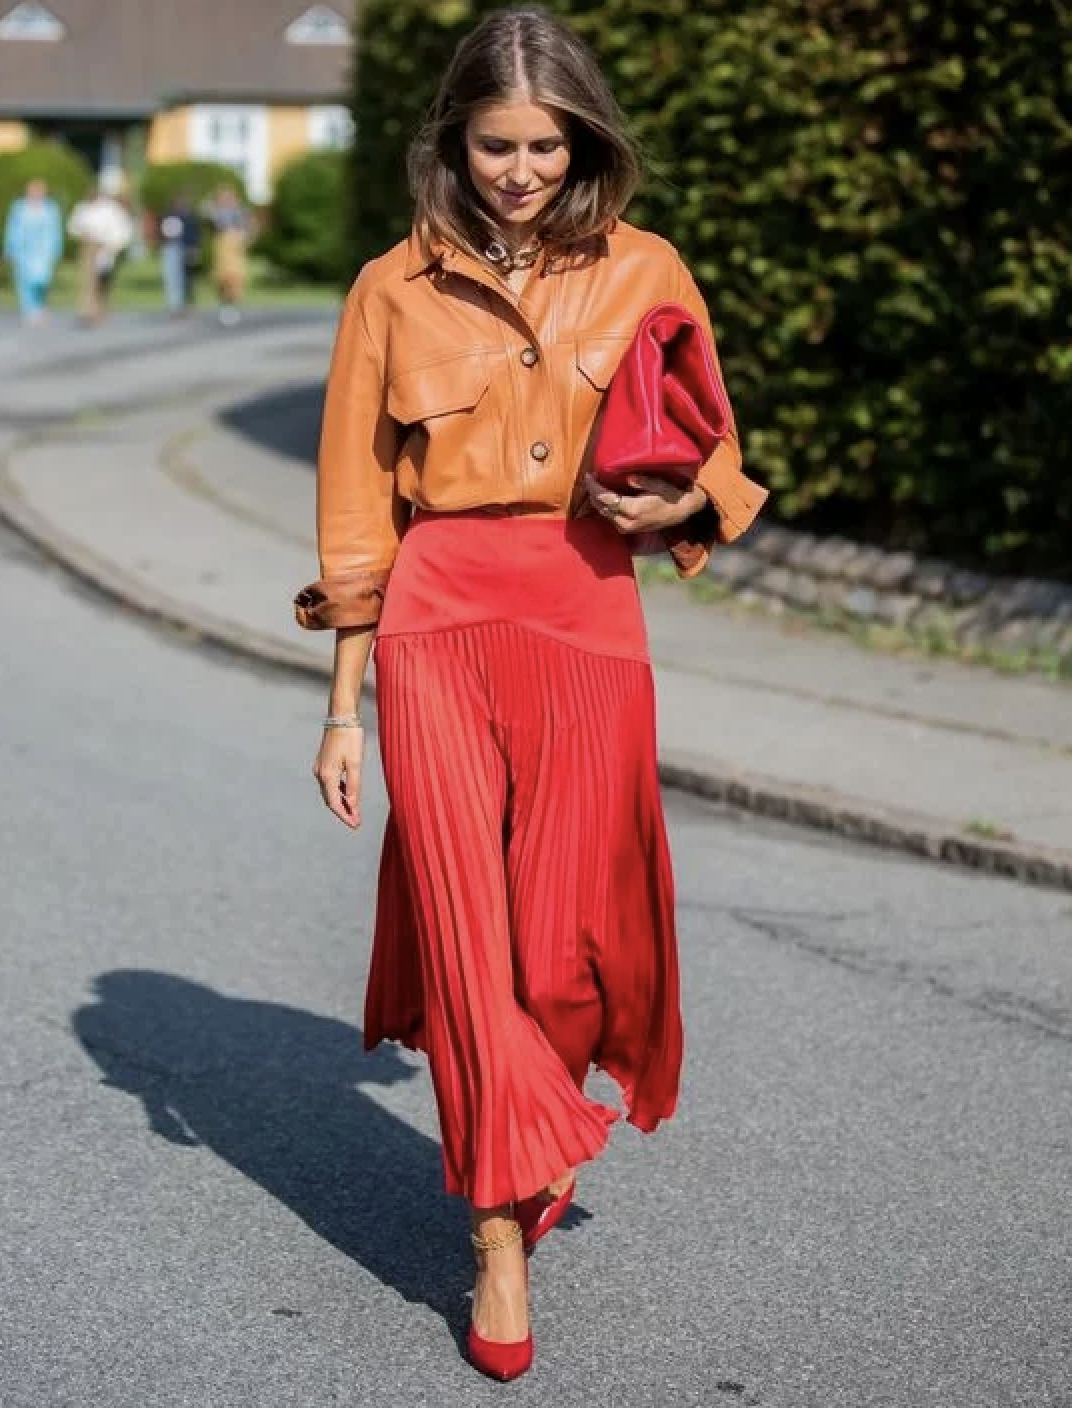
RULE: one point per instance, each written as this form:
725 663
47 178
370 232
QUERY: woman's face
518 155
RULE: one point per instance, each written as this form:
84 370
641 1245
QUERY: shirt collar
422 254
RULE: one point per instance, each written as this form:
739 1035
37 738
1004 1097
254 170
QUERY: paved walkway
171 465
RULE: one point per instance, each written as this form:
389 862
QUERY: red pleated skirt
525 916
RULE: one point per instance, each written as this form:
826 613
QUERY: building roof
131 57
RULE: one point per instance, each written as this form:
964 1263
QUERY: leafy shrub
165 180
68 176
305 235
402 50
877 200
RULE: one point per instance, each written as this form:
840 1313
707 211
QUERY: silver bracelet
342 721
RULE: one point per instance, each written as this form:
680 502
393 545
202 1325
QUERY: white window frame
320 24
331 128
248 158
32 22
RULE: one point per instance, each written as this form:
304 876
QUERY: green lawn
139 287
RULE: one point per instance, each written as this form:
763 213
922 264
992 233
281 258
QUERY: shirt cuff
734 502
334 603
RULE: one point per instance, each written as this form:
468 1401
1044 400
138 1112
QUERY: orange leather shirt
448 391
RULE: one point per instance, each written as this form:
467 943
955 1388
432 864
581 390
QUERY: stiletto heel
499 1360
538 1215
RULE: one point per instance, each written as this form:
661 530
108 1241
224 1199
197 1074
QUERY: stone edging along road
1021 622
818 809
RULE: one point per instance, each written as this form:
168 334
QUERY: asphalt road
210 1197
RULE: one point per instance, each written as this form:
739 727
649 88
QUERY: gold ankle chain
496 1244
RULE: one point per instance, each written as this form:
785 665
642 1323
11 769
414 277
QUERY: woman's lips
517 197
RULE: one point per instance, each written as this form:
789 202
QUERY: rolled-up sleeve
360 516
734 500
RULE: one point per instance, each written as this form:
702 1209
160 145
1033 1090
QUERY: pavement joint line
181 471
44 429
796 804
885 711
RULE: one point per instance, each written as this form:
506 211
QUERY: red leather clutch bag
666 408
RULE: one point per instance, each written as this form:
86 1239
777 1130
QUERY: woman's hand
338 771
655 503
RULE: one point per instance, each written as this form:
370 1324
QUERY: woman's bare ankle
500 1297
493 1224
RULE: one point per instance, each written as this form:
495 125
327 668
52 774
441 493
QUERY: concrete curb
858 820
836 814
103 576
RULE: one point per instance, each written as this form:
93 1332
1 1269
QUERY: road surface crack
785 927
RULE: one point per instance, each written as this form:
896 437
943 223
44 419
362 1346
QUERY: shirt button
529 357
540 450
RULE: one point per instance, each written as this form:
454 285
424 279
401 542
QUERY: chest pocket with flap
598 359
445 388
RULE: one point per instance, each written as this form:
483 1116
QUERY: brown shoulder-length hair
529 52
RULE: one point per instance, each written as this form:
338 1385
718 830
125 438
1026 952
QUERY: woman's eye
546 148
496 148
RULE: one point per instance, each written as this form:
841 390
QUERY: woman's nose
521 169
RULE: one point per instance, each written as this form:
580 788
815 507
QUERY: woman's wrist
692 501
699 500
345 721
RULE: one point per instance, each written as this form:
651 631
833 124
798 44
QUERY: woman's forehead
519 121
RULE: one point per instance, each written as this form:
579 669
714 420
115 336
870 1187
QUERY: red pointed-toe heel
499 1360
537 1216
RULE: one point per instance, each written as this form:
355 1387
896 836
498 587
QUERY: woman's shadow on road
274 1091
286 421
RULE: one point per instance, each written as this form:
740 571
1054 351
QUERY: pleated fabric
525 925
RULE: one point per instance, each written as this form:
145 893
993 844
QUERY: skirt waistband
569 578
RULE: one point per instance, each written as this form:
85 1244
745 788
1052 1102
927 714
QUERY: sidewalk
198 508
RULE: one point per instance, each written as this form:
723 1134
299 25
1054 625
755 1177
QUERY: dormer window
319 25
31 21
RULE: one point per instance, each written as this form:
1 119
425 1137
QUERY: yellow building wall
288 136
13 136
169 136
169 140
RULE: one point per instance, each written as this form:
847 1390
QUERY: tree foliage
66 174
305 234
164 181
877 200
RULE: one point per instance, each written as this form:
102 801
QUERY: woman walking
230 251
33 245
525 927
104 229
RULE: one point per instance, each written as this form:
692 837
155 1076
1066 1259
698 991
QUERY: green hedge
877 200
69 178
198 180
305 236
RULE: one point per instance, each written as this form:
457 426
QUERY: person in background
180 235
104 230
233 226
33 244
